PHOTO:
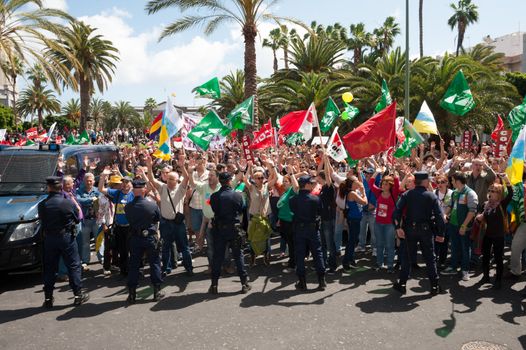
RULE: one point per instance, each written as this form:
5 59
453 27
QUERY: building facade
513 46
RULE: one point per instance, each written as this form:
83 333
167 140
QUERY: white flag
171 118
335 148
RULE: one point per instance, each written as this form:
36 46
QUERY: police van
23 171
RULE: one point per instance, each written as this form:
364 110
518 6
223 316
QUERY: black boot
48 300
301 284
132 295
485 279
497 285
213 287
398 286
157 293
80 298
435 288
321 282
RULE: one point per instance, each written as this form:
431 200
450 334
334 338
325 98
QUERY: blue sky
177 64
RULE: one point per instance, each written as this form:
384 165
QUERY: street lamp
407 70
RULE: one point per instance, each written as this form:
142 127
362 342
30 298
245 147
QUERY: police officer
416 226
58 217
227 206
143 217
307 210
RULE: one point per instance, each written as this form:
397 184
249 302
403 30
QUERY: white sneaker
465 276
374 251
359 249
107 272
85 267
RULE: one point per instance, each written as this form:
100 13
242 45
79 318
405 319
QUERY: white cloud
56 4
140 62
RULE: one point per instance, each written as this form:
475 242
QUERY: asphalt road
357 311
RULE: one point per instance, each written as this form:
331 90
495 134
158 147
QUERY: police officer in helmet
307 210
58 217
227 206
143 217
417 226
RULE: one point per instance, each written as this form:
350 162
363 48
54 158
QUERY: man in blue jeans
87 197
172 227
369 213
461 211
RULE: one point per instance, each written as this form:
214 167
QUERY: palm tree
286 36
386 34
12 70
37 100
232 92
149 105
421 26
359 39
211 14
123 113
27 25
274 42
36 74
317 53
71 109
97 111
96 59
465 13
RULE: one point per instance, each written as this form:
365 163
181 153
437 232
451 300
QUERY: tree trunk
357 56
84 102
286 56
461 32
249 33
421 25
15 114
40 119
275 61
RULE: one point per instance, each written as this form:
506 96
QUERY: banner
467 138
247 153
190 121
2 134
31 133
502 144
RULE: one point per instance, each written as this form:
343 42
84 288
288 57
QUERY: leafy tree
518 80
7 117
62 122
149 105
386 34
93 65
316 54
274 42
465 13
71 110
358 40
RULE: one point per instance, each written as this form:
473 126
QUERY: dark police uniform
307 209
58 217
143 217
419 206
227 206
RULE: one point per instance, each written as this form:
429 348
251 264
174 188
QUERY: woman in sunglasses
496 219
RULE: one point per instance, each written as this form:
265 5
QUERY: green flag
412 139
83 138
29 143
350 112
209 89
294 139
331 113
203 133
517 118
385 99
458 99
352 163
71 140
241 116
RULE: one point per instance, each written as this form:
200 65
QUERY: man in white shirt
173 228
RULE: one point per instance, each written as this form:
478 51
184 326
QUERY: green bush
519 80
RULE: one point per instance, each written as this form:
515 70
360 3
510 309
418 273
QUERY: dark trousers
498 252
222 238
138 246
170 233
285 229
122 237
327 243
354 232
307 239
65 246
110 250
409 245
441 249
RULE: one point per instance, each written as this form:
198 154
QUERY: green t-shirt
284 212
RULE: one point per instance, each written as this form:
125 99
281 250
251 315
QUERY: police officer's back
58 217
227 206
143 217
307 210
418 218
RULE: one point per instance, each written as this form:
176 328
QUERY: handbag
179 217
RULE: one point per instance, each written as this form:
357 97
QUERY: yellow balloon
347 97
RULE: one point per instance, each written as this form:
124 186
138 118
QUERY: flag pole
319 129
406 101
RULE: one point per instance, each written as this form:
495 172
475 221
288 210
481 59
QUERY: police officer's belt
309 225
224 226
420 225
127 225
143 233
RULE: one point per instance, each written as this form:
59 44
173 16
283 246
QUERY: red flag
263 138
21 142
31 133
58 140
374 136
299 121
498 128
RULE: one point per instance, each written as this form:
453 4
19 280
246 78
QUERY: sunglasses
442 182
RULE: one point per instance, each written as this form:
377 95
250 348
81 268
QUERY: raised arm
156 184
